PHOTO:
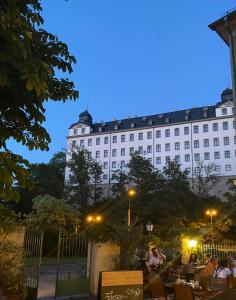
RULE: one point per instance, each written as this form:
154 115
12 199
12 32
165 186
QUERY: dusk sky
135 57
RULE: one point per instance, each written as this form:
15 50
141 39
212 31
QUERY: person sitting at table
230 262
156 259
190 269
177 267
207 258
211 266
222 271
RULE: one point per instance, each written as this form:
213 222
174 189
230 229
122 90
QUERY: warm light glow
94 218
89 219
98 218
192 243
211 212
131 192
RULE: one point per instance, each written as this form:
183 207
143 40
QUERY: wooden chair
183 292
231 282
157 287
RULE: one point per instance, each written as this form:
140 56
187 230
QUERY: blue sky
135 57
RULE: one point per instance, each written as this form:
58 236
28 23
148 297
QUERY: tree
83 171
96 177
29 60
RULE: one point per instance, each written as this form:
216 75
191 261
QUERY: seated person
156 259
190 269
177 268
211 266
222 271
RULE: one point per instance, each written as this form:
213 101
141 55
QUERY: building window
89 154
186 130
224 111
207 155
105 165
81 143
83 130
149 149
233 124
215 126
89 142
158 134
216 142
196 156
167 147
176 131
122 138
225 126
177 146
113 176
195 129
149 135
105 153
97 141
227 154
131 150
122 164
206 143
113 164
186 145
217 155
106 140
114 139
73 143
114 152
140 150
167 158
104 176
227 167
205 127
196 170
140 136
226 140
217 169
196 143
235 139
122 152
177 158
158 160
150 160
131 137
158 148
167 132
75 131
187 157
97 154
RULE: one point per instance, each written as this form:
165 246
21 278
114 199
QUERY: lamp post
131 194
149 226
96 218
212 213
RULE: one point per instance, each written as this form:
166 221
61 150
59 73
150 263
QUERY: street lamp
94 218
131 194
149 226
212 213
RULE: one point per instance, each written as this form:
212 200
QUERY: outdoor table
224 295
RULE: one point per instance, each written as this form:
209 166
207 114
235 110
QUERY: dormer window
83 130
186 117
150 122
119 122
100 129
167 120
132 125
144 118
187 113
103 124
116 127
224 111
205 112
75 131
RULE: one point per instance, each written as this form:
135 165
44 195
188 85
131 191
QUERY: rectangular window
75 131
73 143
235 139
176 131
233 124
122 164
158 148
205 127
149 135
167 132
113 164
89 142
140 136
227 167
218 169
158 134
122 138
81 143
217 155
114 139
167 158
150 160
105 165
140 150
83 130
97 154
224 111
177 158
216 142
149 149
114 152
106 140
186 130
225 126
131 150
104 176
131 137
186 145
227 154
122 152
195 129
158 160
196 143
215 126
187 157
207 155
196 156
206 143
97 141
167 147
89 154
105 153
226 140
177 146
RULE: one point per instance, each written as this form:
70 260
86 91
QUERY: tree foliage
29 60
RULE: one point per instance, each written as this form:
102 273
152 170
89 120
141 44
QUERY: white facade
209 138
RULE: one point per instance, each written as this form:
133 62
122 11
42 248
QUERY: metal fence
220 250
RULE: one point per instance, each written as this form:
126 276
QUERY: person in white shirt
156 259
222 271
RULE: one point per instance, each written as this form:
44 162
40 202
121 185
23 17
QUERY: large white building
188 136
